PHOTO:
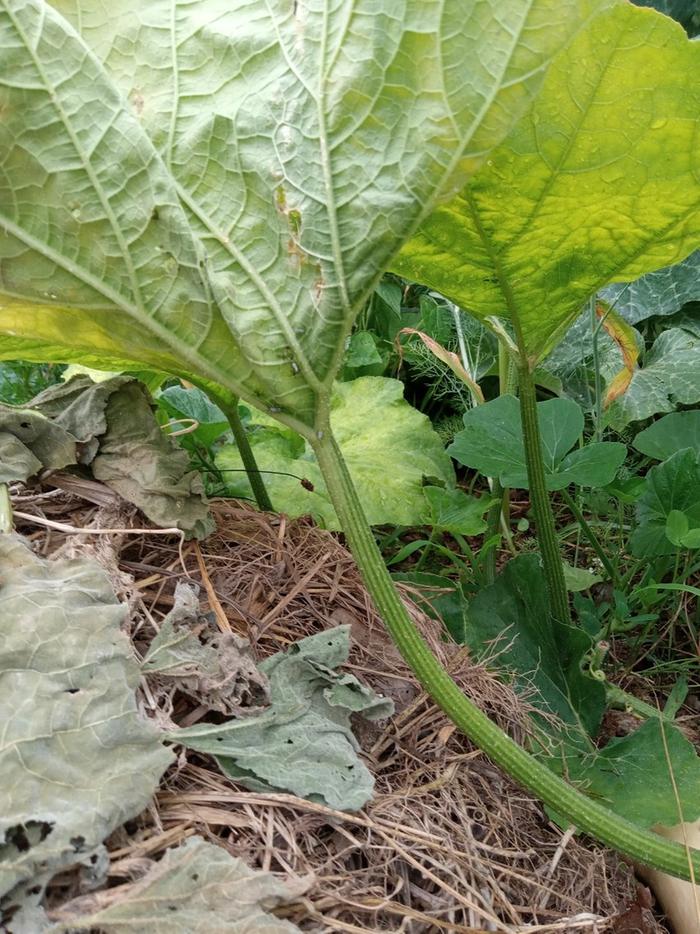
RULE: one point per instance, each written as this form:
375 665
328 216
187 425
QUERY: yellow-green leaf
598 183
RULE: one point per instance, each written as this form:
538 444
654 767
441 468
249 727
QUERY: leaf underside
274 158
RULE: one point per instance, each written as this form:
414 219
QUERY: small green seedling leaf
362 352
492 443
676 527
579 579
670 503
181 403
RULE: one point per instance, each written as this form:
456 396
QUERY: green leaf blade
509 622
583 192
456 512
491 443
670 487
649 777
91 218
670 434
388 446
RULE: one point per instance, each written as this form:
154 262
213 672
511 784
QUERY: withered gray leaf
144 466
76 759
196 888
303 742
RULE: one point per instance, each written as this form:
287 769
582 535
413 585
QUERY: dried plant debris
77 760
78 406
215 668
445 844
147 468
195 888
303 742
30 442
110 428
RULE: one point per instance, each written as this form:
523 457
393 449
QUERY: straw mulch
448 843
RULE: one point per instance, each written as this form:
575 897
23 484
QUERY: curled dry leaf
214 667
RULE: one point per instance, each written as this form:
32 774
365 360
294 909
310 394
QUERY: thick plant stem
5 509
539 497
584 813
230 410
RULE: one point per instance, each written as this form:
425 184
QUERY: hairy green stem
5 509
586 814
230 409
590 535
539 497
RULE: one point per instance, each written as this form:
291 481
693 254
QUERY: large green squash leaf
663 292
650 777
508 624
686 12
389 448
598 183
276 157
669 376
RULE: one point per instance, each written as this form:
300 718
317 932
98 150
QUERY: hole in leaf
24 836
